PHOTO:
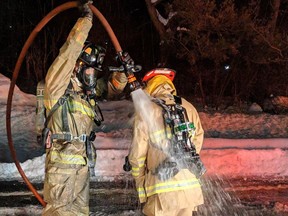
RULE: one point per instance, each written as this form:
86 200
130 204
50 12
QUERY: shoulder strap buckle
62 100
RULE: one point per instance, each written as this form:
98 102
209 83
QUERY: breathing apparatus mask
89 65
88 78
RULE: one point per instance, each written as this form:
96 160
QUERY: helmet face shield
89 77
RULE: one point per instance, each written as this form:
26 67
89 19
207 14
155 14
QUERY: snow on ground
227 162
223 152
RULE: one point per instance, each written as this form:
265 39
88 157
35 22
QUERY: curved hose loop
19 62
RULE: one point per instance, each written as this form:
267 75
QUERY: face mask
88 77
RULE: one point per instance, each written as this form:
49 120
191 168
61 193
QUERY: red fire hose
20 59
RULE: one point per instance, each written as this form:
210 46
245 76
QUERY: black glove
127 166
84 8
125 59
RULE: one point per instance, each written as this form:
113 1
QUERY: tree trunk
160 28
153 15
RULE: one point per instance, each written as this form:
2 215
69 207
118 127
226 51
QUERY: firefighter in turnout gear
165 185
71 112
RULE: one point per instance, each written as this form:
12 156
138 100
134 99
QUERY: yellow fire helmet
158 81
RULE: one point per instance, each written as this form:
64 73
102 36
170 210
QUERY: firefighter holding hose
71 112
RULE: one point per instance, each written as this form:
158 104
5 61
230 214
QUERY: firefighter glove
85 9
125 59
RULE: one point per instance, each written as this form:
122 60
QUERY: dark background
238 34
128 19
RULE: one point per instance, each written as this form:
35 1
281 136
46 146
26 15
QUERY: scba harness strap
69 137
61 101
182 153
48 137
176 118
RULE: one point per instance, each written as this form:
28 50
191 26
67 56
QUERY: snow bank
234 163
230 161
19 98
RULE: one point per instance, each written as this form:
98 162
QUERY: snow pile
34 169
19 98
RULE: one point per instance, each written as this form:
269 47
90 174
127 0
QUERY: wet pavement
236 197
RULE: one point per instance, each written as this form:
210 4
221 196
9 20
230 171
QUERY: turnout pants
66 186
167 205
66 192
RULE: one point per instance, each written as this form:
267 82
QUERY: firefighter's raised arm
61 70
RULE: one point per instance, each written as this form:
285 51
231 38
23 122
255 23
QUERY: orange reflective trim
115 83
131 79
80 38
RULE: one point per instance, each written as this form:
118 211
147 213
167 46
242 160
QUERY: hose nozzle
129 68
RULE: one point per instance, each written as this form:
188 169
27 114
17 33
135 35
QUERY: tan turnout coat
183 191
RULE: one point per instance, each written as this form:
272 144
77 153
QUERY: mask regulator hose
29 41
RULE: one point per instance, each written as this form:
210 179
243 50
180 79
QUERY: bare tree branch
267 41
